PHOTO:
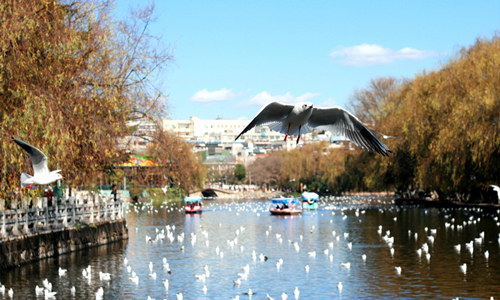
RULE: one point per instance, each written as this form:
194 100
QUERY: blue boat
309 200
285 206
192 205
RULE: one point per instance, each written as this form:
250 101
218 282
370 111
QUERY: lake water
346 229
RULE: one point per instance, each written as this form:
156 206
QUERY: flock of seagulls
295 249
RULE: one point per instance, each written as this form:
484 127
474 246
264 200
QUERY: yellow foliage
62 68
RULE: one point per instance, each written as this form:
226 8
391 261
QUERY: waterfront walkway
25 222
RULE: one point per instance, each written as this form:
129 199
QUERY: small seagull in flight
41 175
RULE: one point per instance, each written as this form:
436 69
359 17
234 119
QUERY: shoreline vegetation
75 79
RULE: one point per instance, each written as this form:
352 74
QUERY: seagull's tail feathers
277 126
25 177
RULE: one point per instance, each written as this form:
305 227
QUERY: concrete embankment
24 249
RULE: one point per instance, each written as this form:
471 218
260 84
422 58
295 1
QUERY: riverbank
23 249
486 207
259 195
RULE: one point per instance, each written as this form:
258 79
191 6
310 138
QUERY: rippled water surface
345 230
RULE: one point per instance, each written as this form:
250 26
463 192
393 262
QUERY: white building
216 130
219 134
224 130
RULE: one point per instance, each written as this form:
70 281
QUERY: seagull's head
306 105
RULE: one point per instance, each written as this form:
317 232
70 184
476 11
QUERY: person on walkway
114 192
48 195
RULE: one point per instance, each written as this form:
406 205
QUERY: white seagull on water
49 294
39 290
41 175
303 118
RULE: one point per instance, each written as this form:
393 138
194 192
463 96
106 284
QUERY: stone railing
41 218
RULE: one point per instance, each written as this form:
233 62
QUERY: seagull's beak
311 106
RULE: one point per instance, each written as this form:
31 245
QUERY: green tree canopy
240 172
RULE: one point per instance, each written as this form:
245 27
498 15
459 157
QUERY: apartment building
218 134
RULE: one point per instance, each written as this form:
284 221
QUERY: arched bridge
211 192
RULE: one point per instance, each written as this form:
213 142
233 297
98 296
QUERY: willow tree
445 118
70 77
448 116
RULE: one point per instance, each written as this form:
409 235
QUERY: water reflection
230 225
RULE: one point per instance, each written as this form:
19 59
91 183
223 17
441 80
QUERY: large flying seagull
302 118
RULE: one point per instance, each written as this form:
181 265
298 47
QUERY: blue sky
233 57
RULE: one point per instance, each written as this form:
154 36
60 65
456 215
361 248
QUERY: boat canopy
192 199
310 196
283 200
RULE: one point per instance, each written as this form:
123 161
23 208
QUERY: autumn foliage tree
445 119
267 171
70 77
180 166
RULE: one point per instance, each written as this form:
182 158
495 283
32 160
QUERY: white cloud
367 55
306 96
205 96
330 102
264 98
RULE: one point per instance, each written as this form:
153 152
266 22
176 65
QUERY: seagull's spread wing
38 159
341 122
272 115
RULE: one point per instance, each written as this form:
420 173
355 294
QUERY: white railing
41 218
